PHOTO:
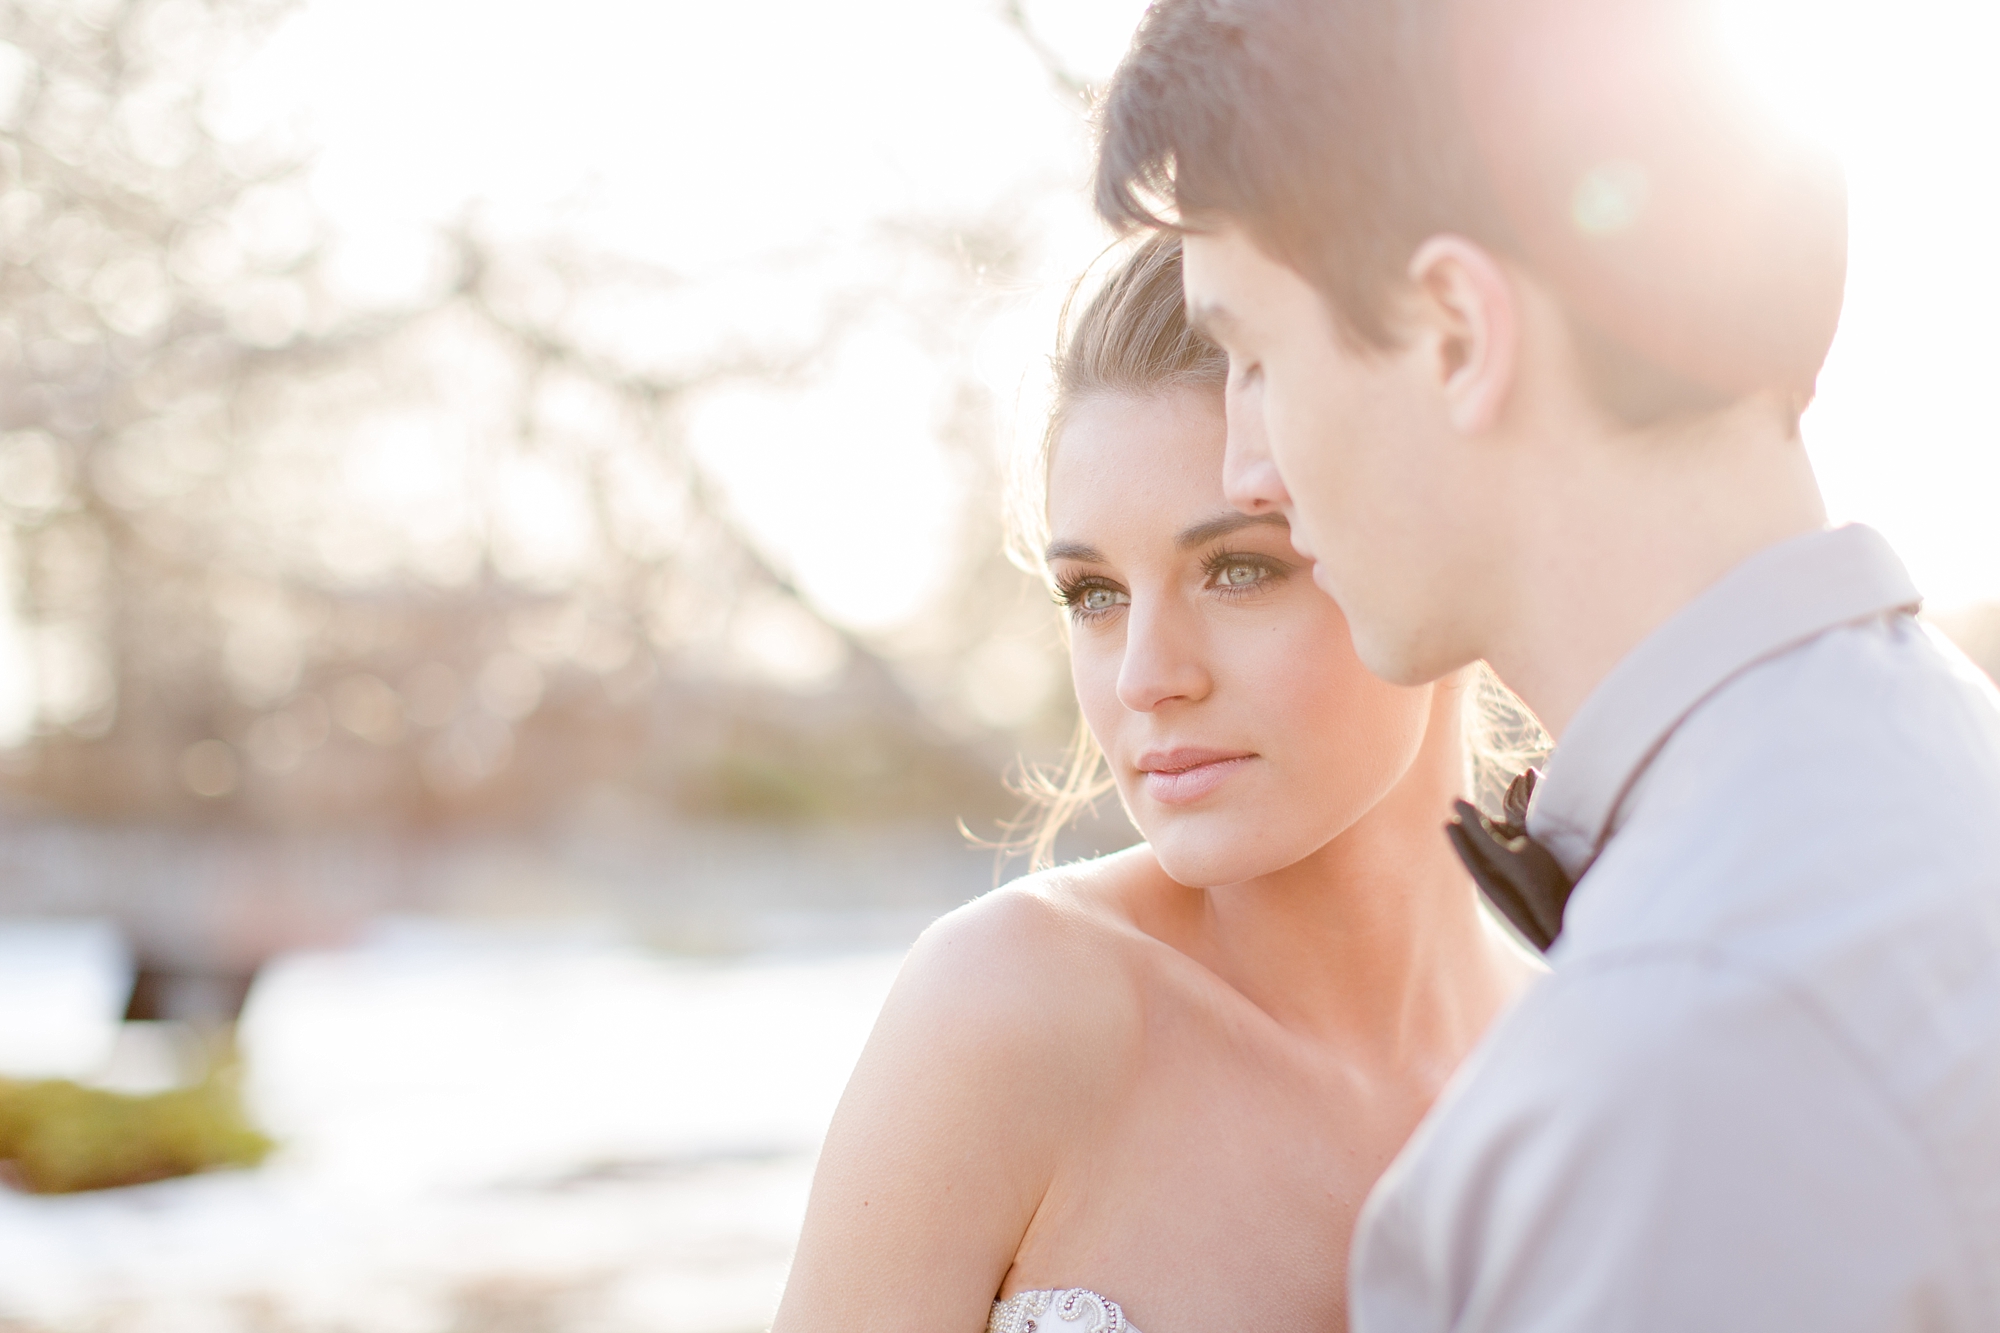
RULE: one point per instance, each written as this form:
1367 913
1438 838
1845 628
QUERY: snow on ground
481 1134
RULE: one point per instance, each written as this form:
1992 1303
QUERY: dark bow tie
1519 877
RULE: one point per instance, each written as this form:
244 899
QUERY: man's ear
1469 313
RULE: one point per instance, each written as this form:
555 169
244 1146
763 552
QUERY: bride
1153 1089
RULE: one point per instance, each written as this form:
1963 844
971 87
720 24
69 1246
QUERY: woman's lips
1182 777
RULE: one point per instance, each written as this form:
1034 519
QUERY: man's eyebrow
1209 319
1081 552
1201 534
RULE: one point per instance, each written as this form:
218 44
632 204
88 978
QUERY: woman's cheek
1318 687
1301 661
1093 672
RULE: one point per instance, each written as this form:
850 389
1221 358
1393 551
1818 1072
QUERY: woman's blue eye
1090 596
1236 576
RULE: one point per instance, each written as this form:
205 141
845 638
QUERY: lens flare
1799 56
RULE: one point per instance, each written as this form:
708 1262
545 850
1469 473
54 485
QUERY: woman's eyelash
1071 589
1213 567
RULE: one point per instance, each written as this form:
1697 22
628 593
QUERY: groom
1523 299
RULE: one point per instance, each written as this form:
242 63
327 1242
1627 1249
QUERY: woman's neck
1374 943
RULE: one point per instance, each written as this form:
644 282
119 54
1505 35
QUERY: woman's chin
1211 862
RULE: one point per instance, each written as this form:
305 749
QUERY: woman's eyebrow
1081 552
1223 524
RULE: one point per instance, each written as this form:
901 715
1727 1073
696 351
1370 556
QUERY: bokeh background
506 636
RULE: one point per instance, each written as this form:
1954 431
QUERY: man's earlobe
1469 312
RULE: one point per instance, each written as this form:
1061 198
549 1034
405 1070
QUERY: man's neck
1643 524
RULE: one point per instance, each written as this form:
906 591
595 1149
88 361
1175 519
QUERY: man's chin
1396 657
1392 651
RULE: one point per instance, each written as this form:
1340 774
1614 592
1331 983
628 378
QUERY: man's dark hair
1699 255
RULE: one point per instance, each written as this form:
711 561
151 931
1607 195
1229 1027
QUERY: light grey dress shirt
1761 1088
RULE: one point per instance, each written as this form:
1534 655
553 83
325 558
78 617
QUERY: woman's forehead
1151 462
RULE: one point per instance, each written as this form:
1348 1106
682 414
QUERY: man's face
1354 447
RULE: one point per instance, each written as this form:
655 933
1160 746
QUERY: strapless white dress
1072 1311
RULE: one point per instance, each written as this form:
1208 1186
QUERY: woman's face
1242 731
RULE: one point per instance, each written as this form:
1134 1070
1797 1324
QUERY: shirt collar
1775 600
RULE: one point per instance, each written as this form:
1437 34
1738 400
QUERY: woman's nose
1163 661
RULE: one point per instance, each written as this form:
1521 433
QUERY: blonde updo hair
1133 339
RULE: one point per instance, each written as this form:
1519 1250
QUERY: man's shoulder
1619 1028
1831 820
1857 774
1677 1121
1885 710
1806 891
1774 1016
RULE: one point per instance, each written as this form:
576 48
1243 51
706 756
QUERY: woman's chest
1217 1188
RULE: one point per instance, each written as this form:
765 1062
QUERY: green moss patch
58 1137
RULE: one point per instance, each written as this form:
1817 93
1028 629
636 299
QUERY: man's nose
1250 480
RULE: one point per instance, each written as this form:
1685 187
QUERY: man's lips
1183 776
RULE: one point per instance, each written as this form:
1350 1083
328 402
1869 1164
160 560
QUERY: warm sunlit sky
713 137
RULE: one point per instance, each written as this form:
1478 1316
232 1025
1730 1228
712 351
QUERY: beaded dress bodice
1072 1311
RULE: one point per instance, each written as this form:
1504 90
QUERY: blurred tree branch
214 619
1014 13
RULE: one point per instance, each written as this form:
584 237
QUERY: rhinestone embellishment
1076 1310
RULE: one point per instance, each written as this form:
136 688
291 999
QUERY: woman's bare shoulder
1002 1010
966 1099
1052 952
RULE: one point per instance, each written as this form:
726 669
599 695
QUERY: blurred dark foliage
215 629
58 1137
